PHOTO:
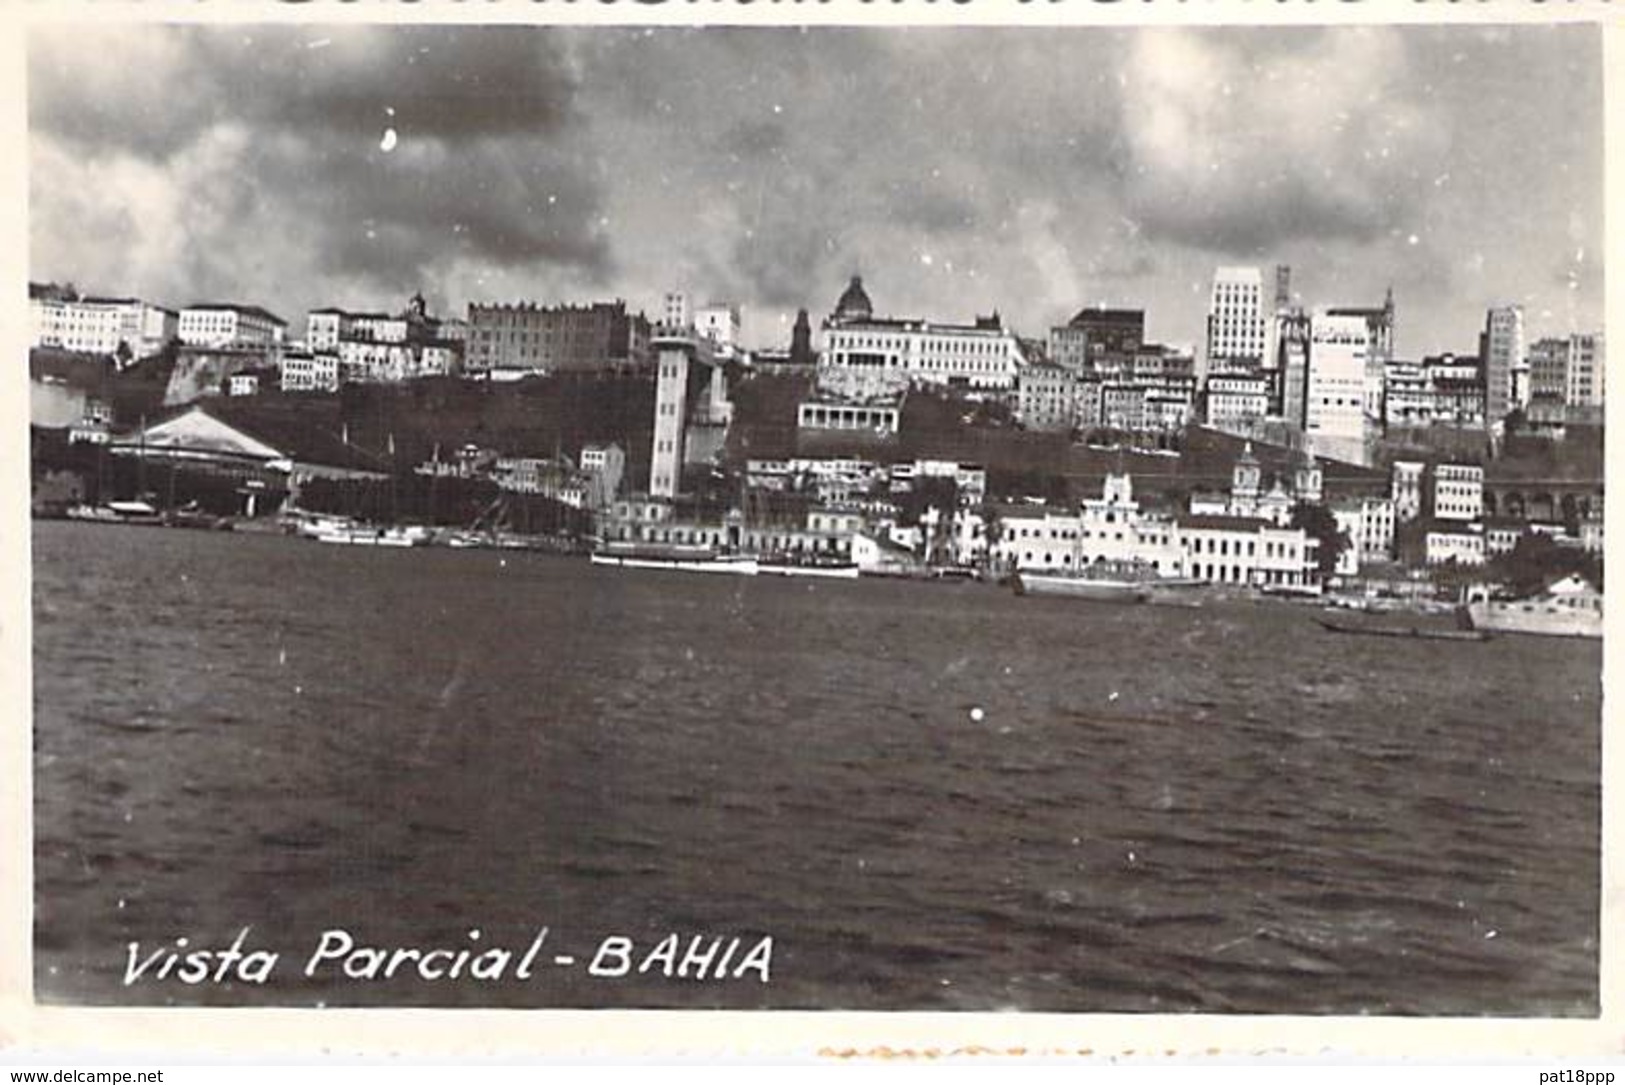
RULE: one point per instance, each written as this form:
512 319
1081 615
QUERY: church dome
854 303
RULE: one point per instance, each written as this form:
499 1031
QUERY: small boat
117 512
373 536
1407 631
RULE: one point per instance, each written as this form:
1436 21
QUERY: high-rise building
1585 375
1335 397
1502 348
1237 320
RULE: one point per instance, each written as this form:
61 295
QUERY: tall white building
1584 385
1502 351
1237 320
1335 416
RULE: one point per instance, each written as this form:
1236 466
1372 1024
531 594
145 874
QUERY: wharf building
1220 549
516 340
984 356
125 329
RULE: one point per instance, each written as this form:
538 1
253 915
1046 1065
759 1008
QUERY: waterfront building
1243 550
1113 528
1098 340
225 324
527 338
1237 321
1501 346
1458 492
556 479
272 460
126 329
982 356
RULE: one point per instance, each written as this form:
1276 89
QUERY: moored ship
1570 607
675 556
1103 582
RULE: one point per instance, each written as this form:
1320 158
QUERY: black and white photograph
1067 519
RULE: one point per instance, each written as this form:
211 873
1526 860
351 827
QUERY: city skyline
766 166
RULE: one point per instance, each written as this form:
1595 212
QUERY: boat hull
1535 619
823 572
735 567
1075 587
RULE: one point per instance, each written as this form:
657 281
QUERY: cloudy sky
1032 171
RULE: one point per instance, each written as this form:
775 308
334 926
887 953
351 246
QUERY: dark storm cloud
389 150
453 84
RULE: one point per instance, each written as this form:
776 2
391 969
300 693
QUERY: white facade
671 409
985 357
1336 401
1464 547
229 325
1237 320
1458 492
719 322
306 372
1503 351
1369 525
1585 371
100 325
